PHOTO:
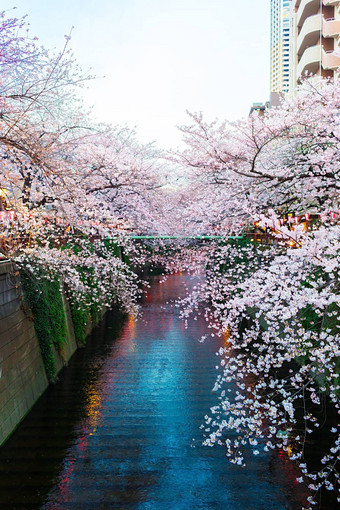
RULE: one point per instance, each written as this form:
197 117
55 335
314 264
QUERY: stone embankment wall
22 374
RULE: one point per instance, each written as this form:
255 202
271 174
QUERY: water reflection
123 430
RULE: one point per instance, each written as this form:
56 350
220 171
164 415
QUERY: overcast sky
161 57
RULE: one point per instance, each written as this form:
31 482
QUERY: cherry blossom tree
67 182
278 306
285 160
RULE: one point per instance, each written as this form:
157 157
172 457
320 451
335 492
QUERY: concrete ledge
6 266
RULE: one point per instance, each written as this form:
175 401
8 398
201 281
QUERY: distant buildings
304 40
281 57
316 38
260 108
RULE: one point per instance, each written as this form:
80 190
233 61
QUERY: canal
121 428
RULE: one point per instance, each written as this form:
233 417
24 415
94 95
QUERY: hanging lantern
6 216
296 220
307 216
333 215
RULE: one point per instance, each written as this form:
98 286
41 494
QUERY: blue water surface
124 428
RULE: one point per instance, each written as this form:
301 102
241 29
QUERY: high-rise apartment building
280 46
304 40
316 49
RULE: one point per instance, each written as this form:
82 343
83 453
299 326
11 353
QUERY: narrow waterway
121 429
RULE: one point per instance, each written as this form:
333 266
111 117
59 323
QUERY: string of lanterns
307 216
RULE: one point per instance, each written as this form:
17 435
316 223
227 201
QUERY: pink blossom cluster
66 180
277 307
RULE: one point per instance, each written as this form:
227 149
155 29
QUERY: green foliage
95 314
80 317
331 319
317 275
42 295
85 310
44 298
126 259
240 241
242 253
113 247
310 320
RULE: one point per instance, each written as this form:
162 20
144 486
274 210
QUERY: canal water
121 428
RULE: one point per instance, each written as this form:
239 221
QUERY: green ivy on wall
44 298
80 318
85 310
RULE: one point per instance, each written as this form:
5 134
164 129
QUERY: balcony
330 27
330 60
310 61
306 9
309 33
311 29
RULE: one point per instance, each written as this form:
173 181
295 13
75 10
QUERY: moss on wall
43 296
80 319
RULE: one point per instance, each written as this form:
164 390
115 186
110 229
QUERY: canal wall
23 377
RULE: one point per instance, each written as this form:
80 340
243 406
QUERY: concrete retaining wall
22 373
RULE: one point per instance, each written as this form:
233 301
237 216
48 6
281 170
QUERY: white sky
161 57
